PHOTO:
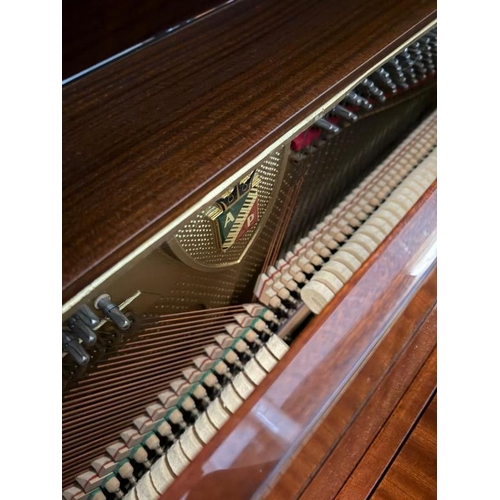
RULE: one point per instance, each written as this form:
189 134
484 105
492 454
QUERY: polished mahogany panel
147 135
251 449
94 30
368 447
413 475
335 448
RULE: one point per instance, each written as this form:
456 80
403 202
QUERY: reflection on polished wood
94 30
270 427
322 467
413 474
366 451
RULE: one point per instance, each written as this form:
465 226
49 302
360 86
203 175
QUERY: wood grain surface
94 30
247 454
413 474
330 456
147 135
367 449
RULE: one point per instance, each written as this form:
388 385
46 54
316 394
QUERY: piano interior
205 360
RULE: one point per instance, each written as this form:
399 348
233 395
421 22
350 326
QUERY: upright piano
249 247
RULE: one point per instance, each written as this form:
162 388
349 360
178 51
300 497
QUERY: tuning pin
426 46
414 58
405 54
392 65
399 79
344 113
406 63
110 310
357 100
411 76
71 345
326 125
427 55
402 83
87 316
431 68
81 330
372 89
415 47
420 67
385 78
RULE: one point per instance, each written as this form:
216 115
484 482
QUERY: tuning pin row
82 330
82 324
368 86
357 100
329 123
427 49
406 69
385 78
